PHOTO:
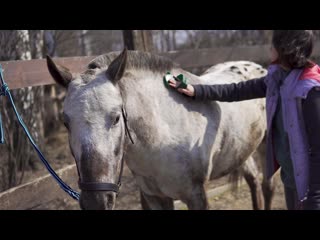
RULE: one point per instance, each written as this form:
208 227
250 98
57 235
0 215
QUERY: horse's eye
116 120
93 66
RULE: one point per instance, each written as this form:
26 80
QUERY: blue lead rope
6 92
1 130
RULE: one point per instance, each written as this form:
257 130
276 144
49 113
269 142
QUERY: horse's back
233 71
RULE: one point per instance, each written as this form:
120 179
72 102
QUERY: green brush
180 78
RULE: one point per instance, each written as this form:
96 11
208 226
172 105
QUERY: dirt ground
58 154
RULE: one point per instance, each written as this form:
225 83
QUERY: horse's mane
136 60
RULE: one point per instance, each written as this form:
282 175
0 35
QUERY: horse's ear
117 66
60 74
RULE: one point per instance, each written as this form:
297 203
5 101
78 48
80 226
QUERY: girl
292 91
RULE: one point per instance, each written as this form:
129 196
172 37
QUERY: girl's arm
311 116
255 88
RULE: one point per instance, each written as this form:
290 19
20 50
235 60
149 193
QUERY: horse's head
93 115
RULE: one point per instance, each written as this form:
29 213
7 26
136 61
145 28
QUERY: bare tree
138 40
164 40
16 44
50 101
103 41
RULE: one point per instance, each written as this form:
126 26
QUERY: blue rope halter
5 91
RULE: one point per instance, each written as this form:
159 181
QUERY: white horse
179 143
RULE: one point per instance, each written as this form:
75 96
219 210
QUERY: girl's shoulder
311 73
273 68
275 74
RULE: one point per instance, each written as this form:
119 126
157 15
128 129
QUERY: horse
119 109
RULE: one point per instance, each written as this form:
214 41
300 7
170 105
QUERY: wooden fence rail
38 192
20 74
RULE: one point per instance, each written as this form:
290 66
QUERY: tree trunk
51 116
37 46
138 40
174 43
83 43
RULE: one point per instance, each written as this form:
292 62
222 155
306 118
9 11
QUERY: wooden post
138 40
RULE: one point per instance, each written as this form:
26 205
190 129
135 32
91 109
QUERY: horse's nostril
97 200
110 200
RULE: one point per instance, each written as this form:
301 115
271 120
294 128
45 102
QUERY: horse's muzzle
97 200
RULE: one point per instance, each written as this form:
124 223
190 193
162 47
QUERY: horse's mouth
97 200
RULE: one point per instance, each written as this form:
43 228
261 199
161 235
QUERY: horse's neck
147 88
191 78
155 110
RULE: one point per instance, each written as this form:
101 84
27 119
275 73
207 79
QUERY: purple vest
291 91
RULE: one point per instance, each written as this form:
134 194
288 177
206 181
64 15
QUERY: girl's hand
189 91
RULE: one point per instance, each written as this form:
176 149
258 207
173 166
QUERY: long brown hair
294 47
